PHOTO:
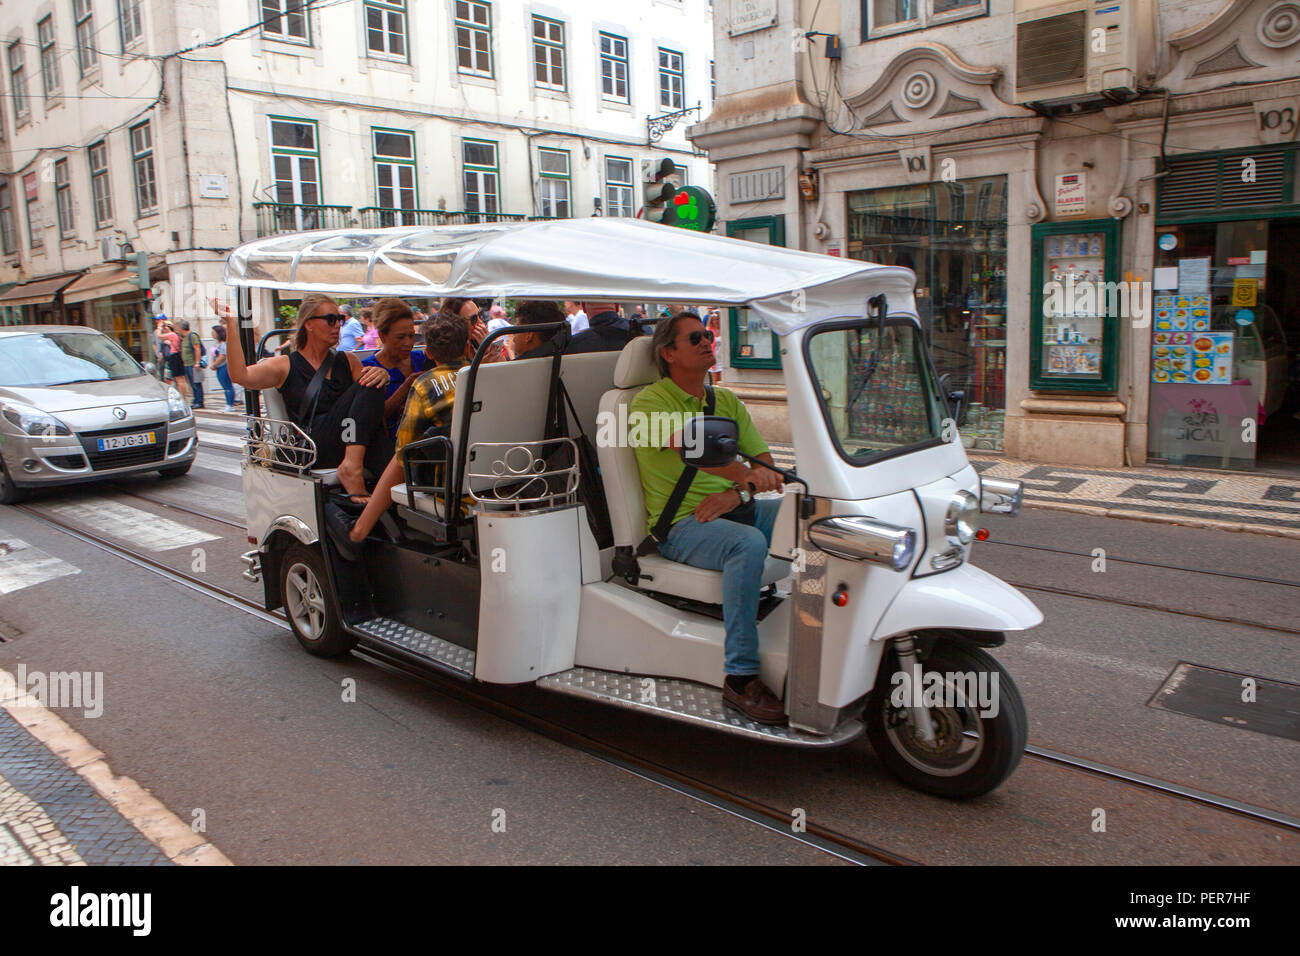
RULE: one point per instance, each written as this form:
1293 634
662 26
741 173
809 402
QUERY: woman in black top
346 418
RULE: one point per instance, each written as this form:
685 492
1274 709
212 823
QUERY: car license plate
114 442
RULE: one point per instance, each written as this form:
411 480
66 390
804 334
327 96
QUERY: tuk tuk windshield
875 404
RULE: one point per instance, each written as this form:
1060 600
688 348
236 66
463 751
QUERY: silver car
74 406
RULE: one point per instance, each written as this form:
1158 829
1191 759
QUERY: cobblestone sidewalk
1256 503
55 806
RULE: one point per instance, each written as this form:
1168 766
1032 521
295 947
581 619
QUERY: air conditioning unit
1081 50
110 249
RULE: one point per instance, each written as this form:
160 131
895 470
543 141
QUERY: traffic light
138 268
656 191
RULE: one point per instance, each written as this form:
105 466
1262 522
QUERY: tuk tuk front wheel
978 721
312 611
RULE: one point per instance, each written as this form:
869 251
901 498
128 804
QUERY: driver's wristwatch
745 495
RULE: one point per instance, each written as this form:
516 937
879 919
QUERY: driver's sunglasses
331 318
695 337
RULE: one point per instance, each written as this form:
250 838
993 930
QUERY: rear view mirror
955 397
710 441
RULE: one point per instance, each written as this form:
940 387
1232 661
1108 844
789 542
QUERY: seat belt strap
659 533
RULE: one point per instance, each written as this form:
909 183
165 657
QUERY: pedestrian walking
172 359
192 361
219 366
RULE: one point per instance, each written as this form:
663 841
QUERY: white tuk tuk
872 615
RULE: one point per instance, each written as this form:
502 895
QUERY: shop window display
954 236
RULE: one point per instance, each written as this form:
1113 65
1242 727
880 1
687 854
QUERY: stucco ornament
919 89
1280 25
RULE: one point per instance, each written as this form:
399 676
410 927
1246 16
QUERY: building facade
1097 200
180 130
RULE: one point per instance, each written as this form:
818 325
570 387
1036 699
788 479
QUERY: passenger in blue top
350 334
396 324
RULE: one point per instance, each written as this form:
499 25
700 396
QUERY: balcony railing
276 217
378 217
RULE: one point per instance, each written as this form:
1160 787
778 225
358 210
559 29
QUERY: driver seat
627 511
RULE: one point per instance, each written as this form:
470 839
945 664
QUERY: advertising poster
1212 358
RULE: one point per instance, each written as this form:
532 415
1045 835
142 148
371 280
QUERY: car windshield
875 404
62 358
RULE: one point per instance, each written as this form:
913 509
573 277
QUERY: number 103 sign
1276 120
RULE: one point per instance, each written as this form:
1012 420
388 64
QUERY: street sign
691 208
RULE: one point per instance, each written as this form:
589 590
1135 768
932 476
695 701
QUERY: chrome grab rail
519 474
272 442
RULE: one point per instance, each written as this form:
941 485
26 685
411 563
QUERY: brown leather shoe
756 702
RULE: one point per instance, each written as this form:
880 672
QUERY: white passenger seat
273 407
627 512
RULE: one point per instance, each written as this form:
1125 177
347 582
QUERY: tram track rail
823 838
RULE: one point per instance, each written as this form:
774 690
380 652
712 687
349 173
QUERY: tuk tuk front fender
965 598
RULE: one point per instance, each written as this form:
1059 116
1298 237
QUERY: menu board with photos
1183 349
1182 313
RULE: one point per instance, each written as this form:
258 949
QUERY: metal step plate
444 654
686 701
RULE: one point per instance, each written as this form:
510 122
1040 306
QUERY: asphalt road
214 709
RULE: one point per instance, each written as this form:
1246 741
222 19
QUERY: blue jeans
194 375
223 376
739 552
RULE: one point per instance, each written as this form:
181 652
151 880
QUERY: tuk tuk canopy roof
597 260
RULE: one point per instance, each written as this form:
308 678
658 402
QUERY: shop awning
101 283
38 291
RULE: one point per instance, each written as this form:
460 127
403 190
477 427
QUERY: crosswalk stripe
132 525
22 566
217 438
227 466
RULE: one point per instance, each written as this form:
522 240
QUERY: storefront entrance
1224 385
954 236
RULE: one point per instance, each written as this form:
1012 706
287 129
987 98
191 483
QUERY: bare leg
352 471
380 500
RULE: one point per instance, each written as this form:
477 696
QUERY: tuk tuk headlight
865 539
177 410
959 522
1001 495
33 421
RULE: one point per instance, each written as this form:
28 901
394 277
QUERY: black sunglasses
331 318
694 337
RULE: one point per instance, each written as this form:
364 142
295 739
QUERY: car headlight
1001 495
865 539
959 522
33 421
176 407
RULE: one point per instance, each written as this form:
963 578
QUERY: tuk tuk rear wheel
309 604
973 751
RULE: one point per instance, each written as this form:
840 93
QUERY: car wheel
176 471
10 494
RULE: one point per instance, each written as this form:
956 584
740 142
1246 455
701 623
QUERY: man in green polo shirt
714 527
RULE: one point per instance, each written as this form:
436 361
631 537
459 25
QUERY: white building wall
212 120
